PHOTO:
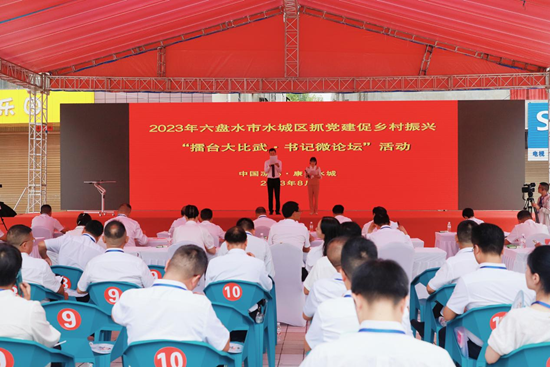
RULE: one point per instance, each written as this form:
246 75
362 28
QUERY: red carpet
419 224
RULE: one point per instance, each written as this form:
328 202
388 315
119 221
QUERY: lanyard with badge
387 331
492 267
170 286
114 250
543 304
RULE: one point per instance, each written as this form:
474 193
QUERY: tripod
528 204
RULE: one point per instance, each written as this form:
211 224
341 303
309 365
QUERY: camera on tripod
528 189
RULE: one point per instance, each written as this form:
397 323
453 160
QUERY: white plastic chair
537 237
401 253
287 260
262 232
42 232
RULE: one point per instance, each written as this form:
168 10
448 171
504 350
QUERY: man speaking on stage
273 167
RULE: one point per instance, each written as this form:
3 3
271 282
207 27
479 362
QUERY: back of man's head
468 213
206 214
380 280
355 252
334 251
182 211
245 223
544 186
379 210
381 219
464 231
115 234
235 236
191 211
489 238
187 262
83 219
350 229
524 215
338 209
46 209
95 228
260 211
125 209
10 264
289 208
18 234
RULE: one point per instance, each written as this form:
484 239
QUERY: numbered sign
232 291
496 319
6 359
156 274
170 357
69 319
548 363
112 295
14 290
66 282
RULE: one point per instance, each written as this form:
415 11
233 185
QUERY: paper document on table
74 293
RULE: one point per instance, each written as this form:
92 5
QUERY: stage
419 224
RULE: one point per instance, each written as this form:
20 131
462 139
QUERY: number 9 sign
69 319
170 357
156 274
496 319
6 359
232 292
112 295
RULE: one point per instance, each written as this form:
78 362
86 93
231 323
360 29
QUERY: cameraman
543 205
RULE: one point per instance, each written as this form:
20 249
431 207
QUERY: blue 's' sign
537 135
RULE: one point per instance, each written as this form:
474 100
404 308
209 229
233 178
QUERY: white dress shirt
322 290
75 251
264 221
25 320
38 271
342 219
474 219
237 265
168 310
520 327
544 212
259 248
491 284
193 232
386 235
378 349
527 228
321 270
314 255
133 230
45 221
365 231
215 231
116 266
291 232
269 171
462 263
76 232
178 222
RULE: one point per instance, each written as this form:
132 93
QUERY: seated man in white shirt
45 220
256 246
338 212
526 227
169 309
75 251
193 232
178 222
289 230
370 227
261 218
379 289
386 234
468 214
21 318
491 284
36 271
215 231
114 265
133 229
81 221
324 268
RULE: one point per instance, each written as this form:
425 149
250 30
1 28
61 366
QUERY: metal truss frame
38 151
21 76
292 38
426 60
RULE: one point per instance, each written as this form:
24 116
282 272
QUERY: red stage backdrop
403 155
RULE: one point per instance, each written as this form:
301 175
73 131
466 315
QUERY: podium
102 191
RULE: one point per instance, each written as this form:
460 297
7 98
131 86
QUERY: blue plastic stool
416 306
29 353
70 275
157 271
39 293
431 324
528 355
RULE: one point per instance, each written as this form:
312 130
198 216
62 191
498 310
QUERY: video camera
528 189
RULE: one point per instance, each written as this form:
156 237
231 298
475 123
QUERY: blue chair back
70 275
240 294
235 320
172 353
528 355
157 271
423 278
431 324
105 294
17 352
39 293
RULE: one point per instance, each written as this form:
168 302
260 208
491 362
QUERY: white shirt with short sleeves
474 219
116 266
365 231
342 219
76 232
193 232
215 231
291 232
527 228
133 230
314 254
520 327
322 290
269 170
25 320
491 284
237 265
167 310
259 248
178 222
386 235
378 349
462 263
322 269
75 251
46 221
264 221
38 271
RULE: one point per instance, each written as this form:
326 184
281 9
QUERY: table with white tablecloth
446 241
516 258
417 242
427 258
151 255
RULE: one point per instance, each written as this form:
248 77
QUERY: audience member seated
386 234
350 229
133 229
215 231
323 269
169 309
468 214
21 318
115 265
254 245
327 288
45 220
81 221
526 227
370 227
36 271
75 251
379 290
529 325
327 229
491 284
338 212
192 231
289 230
261 218
237 264
178 222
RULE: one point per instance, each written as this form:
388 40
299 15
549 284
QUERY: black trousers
274 186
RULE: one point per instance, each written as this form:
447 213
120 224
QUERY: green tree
305 97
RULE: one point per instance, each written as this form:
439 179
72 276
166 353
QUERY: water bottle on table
449 227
